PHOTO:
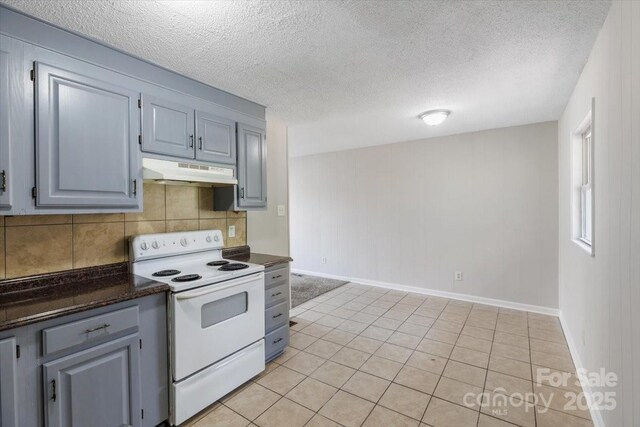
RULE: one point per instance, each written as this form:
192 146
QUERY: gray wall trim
36 31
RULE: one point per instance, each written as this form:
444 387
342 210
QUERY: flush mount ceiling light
434 117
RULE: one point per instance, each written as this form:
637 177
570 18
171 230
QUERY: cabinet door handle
53 390
97 328
135 187
276 316
242 192
191 141
275 295
3 185
200 143
277 341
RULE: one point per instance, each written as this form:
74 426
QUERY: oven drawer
212 322
276 295
276 277
276 316
276 341
72 334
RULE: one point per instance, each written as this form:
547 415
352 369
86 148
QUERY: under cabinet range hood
183 173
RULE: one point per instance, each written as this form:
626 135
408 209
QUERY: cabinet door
168 128
9 383
10 59
216 138
86 139
98 387
252 167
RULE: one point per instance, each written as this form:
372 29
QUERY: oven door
213 322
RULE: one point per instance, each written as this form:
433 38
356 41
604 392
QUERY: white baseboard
436 293
596 416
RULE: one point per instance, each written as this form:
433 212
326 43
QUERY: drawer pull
276 316
276 294
97 328
277 341
276 277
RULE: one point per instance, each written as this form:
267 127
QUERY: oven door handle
190 295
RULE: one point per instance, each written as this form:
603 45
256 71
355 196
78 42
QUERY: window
586 193
582 183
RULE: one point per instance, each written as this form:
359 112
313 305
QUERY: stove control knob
155 245
216 238
144 246
208 239
184 241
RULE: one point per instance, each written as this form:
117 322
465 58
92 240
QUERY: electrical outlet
281 210
324 259
232 231
458 276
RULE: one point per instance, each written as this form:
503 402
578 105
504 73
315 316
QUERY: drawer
276 295
94 328
276 316
276 341
276 277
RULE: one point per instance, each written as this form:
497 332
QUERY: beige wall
600 295
47 243
268 232
413 213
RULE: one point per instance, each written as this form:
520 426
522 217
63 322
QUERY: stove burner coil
165 273
187 278
233 266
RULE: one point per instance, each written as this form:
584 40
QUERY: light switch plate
281 210
232 231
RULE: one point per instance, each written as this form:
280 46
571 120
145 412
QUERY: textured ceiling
357 73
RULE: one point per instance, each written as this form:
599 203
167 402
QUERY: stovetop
163 257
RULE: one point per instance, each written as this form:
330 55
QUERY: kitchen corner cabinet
96 387
252 167
87 127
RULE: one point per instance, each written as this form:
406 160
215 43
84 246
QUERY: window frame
583 184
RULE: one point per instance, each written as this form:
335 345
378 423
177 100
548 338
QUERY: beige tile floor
373 357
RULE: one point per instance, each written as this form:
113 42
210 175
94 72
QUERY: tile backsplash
37 244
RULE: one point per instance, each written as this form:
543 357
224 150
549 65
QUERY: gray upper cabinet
216 138
252 167
10 57
86 138
168 128
98 387
9 383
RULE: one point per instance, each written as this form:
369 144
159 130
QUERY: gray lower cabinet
252 167
276 319
87 127
103 367
97 387
168 127
9 383
216 138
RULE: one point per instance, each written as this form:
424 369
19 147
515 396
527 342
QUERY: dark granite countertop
243 253
37 298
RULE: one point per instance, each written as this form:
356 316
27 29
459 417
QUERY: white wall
266 231
413 213
600 296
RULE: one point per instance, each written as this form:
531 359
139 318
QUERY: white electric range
216 315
